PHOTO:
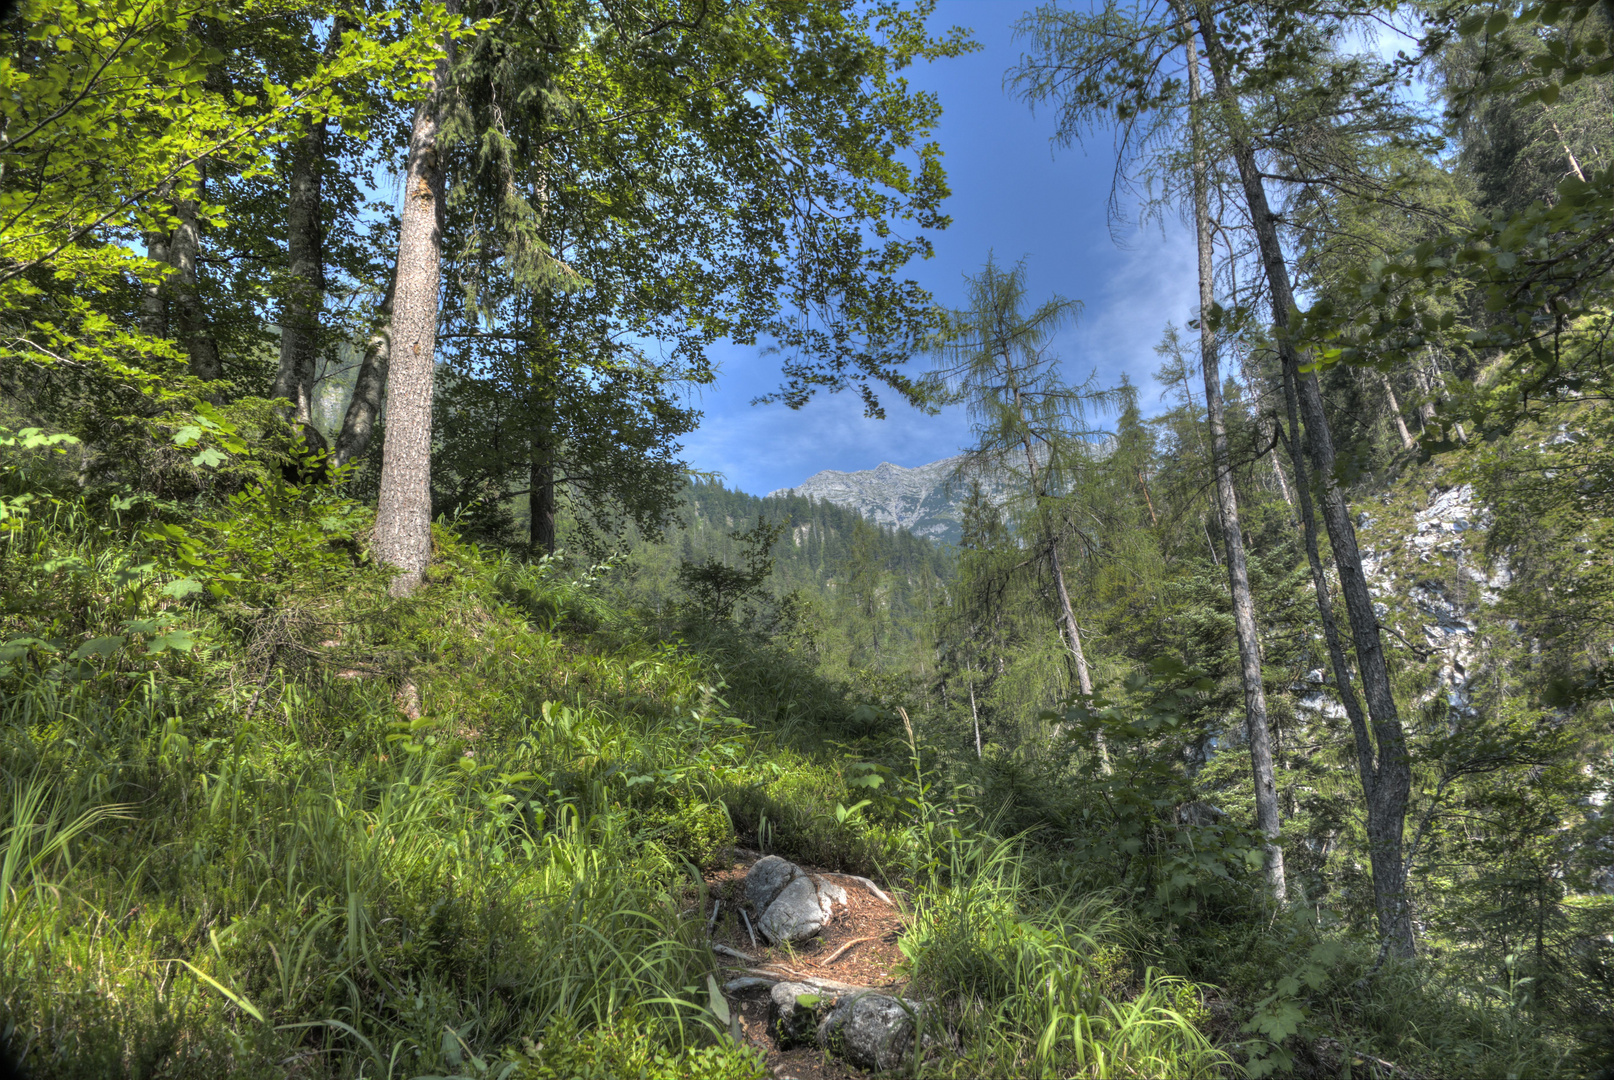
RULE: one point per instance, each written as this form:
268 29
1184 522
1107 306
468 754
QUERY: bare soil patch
859 948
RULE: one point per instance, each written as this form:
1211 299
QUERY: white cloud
1153 281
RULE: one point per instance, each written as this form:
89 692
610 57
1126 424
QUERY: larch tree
1115 67
1385 768
1030 425
1256 727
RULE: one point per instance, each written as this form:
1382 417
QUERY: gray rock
791 903
748 984
926 500
1199 813
767 879
872 1031
792 1020
803 907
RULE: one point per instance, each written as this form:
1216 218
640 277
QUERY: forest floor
859 948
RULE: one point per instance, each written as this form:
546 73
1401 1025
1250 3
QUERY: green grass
230 850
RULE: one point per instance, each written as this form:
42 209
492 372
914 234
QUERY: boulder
766 879
871 1031
794 1012
792 904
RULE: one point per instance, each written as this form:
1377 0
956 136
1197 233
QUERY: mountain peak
917 498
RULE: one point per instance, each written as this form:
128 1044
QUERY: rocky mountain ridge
925 499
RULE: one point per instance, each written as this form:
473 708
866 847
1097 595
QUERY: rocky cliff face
1433 581
1435 586
923 499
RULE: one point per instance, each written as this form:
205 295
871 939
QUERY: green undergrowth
263 820
260 819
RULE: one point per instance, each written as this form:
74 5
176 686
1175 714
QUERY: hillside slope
293 826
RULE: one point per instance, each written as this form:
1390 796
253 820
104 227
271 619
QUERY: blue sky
1015 196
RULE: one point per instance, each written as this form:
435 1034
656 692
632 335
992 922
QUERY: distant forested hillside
863 591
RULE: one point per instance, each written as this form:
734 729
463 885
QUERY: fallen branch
749 932
736 954
810 980
843 950
869 885
716 907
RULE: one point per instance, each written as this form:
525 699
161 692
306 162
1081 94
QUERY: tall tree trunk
1076 652
541 492
1392 781
358 423
299 309
975 715
1325 603
1067 611
305 266
154 296
1154 521
403 512
1256 726
1424 375
183 250
1277 469
1268 427
1407 441
541 417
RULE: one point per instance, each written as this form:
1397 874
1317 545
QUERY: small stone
794 1012
748 984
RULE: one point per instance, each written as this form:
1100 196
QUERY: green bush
695 831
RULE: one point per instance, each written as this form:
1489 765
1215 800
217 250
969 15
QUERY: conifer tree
1030 425
1238 572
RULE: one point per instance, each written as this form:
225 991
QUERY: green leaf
19 647
209 459
182 588
101 646
177 640
718 1004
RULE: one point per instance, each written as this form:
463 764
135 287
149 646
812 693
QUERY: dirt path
858 949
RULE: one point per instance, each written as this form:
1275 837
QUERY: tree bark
1067 610
1154 521
403 511
1392 780
1407 441
1268 427
185 288
1082 675
1256 725
1325 604
1426 389
541 493
975 715
305 266
299 308
1277 469
542 419
154 297
369 386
